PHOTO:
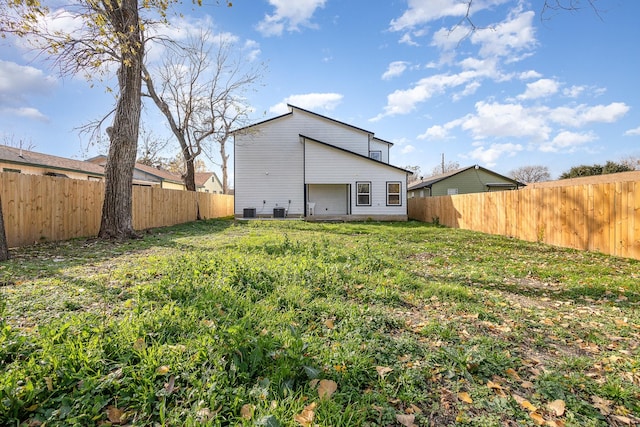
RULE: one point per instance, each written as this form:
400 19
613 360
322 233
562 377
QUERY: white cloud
566 141
506 120
289 15
252 48
26 112
308 101
436 132
530 74
540 89
507 38
490 155
581 115
395 69
17 84
633 132
407 149
424 11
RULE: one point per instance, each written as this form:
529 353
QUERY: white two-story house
302 164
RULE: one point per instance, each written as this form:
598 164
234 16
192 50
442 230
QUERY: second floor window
375 155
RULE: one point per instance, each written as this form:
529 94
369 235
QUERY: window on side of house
393 193
375 155
452 191
11 170
363 196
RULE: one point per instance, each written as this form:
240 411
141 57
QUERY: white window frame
398 193
358 193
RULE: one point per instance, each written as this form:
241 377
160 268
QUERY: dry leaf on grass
537 418
464 396
557 407
383 370
326 388
115 415
305 418
247 410
524 403
329 323
406 419
162 370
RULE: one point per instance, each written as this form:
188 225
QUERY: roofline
290 113
333 120
383 140
354 154
429 182
42 165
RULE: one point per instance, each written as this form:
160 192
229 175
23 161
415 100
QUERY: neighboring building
32 163
473 179
302 164
149 176
208 182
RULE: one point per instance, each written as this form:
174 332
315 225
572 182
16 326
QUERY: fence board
602 216
43 208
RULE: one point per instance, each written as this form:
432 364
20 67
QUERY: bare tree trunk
4 247
117 216
225 172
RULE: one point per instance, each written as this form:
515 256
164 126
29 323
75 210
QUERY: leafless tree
197 89
416 173
445 167
13 141
529 174
4 247
632 162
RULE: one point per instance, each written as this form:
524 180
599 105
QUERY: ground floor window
393 193
363 198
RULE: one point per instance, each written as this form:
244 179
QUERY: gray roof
429 181
31 158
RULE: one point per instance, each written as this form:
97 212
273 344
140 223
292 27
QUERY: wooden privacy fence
602 217
42 208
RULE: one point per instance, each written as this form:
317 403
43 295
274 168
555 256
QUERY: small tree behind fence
601 217
43 208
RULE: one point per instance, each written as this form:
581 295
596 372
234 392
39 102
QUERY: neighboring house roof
203 177
355 154
586 180
161 174
31 158
293 107
429 181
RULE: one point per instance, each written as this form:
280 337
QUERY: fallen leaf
623 420
524 403
247 411
413 409
406 419
170 386
383 370
326 388
305 418
329 323
537 418
526 384
493 385
464 396
204 414
513 374
603 405
49 382
162 370
115 415
557 407
139 344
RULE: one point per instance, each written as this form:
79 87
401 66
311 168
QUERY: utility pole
442 162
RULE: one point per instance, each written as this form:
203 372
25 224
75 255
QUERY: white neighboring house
302 164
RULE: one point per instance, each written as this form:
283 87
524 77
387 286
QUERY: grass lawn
287 323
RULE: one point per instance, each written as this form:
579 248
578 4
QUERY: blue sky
557 89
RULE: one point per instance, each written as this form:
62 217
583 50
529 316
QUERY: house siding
275 166
377 145
469 181
326 165
271 156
